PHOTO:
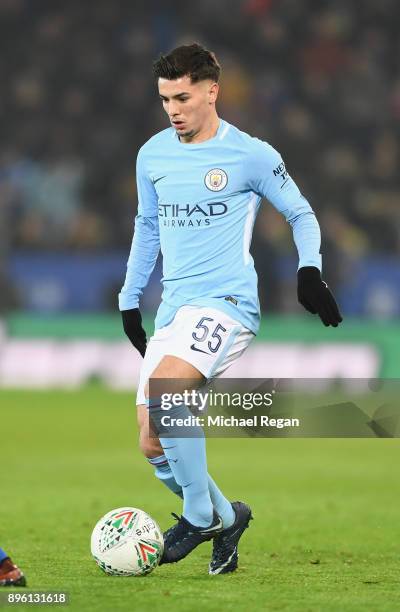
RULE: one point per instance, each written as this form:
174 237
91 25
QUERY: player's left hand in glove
313 293
132 322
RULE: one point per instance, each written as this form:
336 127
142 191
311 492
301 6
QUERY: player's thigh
177 370
158 363
171 366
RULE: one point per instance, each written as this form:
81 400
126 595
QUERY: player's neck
206 132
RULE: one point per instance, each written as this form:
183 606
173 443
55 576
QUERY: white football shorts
205 337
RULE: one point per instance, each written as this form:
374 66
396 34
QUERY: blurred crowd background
318 80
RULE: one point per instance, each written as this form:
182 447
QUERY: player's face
188 105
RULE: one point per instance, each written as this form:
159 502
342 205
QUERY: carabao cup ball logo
216 179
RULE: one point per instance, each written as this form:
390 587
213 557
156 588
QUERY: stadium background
320 81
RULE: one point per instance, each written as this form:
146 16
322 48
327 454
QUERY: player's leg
148 442
235 516
10 574
178 337
152 449
186 456
224 558
159 345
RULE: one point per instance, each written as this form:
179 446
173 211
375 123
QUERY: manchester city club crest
216 179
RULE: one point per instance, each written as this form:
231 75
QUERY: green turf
325 535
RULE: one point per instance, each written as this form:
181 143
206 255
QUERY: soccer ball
127 542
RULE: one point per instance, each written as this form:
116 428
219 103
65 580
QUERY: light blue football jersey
198 203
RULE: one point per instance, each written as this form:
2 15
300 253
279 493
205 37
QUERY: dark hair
191 60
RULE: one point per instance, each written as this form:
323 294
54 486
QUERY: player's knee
149 446
148 441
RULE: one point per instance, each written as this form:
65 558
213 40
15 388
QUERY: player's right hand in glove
132 322
313 293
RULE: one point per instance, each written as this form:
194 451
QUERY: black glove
132 322
314 295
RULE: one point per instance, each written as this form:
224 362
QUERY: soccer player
10 574
200 183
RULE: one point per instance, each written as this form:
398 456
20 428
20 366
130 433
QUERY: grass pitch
325 534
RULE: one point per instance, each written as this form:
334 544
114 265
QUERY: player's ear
213 93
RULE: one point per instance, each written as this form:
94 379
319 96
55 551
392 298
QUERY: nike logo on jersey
194 348
158 179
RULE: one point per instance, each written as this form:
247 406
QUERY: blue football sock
3 555
164 473
222 506
188 462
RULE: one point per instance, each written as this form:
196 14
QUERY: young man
200 183
10 574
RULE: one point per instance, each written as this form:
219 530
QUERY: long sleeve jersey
198 204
